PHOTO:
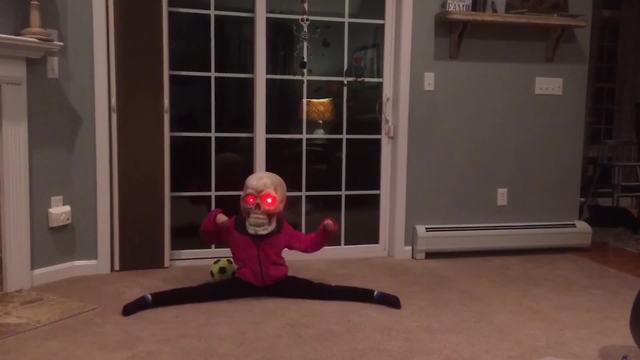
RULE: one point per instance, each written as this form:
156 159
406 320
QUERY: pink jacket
259 258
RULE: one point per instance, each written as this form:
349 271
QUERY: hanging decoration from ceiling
303 44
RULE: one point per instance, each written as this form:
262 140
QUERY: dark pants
235 288
634 321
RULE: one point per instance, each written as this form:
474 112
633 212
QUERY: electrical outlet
429 81
60 216
502 197
549 86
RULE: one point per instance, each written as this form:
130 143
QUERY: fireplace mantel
14 157
22 47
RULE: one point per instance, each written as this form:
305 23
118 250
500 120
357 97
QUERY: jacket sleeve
308 243
210 231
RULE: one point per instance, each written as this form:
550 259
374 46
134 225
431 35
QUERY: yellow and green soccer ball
223 268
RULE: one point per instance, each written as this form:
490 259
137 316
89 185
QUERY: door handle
388 124
384 109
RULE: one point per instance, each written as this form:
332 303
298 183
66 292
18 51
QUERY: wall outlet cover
502 197
53 67
429 81
549 86
60 216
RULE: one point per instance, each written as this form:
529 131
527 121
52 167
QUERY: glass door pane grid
213 106
327 18
216 75
304 136
190 73
348 192
314 136
303 221
328 78
343 197
208 73
214 134
190 11
208 134
211 12
205 193
289 193
212 74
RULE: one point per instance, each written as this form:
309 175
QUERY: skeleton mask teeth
259 220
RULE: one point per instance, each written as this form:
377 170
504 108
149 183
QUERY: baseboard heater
485 237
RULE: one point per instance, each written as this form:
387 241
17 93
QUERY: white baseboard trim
484 237
404 253
352 252
64 271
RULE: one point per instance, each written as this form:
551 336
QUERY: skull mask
262 200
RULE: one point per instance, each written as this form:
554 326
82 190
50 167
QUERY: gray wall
12 16
483 128
61 132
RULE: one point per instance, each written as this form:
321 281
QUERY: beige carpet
515 307
22 311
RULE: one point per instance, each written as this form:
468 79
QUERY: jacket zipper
260 263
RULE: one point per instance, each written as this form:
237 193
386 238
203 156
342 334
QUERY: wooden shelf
556 25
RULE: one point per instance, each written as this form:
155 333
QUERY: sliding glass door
320 125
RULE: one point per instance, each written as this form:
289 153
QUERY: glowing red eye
249 199
268 200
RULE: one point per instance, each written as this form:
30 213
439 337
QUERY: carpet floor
534 306
22 311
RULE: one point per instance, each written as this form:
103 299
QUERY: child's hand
221 219
329 225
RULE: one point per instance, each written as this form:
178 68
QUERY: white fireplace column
14 157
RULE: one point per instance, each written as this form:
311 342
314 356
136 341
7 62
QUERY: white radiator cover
483 237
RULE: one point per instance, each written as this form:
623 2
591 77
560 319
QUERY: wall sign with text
459 5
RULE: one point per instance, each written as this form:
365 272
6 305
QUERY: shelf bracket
555 36
457 31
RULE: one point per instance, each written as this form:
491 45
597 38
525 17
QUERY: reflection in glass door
323 113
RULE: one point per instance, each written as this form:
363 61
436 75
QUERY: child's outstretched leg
232 288
295 287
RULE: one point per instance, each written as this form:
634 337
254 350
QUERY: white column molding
14 158
402 73
103 168
14 185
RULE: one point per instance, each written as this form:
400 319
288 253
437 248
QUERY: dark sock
387 299
139 304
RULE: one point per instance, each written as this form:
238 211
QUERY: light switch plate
429 81
549 86
53 68
502 197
